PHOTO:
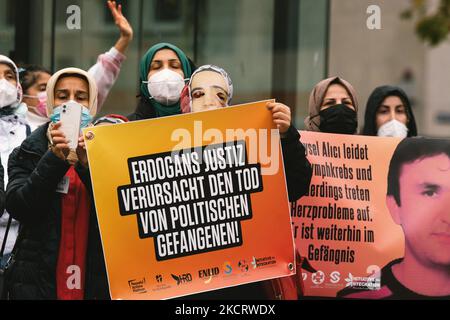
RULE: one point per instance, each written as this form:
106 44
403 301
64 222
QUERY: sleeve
296 165
84 175
105 72
30 191
2 190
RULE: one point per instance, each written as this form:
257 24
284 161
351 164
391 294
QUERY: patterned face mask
86 117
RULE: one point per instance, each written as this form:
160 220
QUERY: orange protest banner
191 203
343 226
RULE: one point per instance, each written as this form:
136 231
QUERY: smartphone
70 122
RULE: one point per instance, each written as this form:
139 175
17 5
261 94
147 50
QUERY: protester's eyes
155 65
175 64
329 103
10 76
42 87
82 96
401 110
383 110
61 95
347 102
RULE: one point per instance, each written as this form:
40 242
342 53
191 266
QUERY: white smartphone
70 122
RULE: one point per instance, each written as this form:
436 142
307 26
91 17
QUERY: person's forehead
392 100
165 54
4 67
72 83
433 169
208 78
42 77
336 90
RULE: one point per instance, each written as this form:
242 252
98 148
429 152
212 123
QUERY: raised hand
126 31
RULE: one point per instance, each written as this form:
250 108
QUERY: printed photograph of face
418 200
424 209
208 91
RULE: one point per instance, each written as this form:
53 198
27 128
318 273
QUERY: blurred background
271 48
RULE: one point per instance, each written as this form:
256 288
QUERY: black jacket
144 110
34 172
373 103
2 190
296 166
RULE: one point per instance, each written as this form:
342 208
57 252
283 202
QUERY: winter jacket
374 102
144 110
296 166
2 191
14 130
31 198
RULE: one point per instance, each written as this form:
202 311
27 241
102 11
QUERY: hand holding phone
70 122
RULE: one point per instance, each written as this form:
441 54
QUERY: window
125 9
167 10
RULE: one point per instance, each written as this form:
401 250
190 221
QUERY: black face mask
338 119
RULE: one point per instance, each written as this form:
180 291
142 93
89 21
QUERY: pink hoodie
105 73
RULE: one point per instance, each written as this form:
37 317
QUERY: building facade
271 48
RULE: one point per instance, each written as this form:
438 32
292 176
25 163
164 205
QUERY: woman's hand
59 143
126 31
281 115
81 152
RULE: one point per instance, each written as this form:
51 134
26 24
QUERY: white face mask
165 86
393 128
8 93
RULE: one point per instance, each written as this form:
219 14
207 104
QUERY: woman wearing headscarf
162 70
389 114
58 253
13 130
333 107
210 87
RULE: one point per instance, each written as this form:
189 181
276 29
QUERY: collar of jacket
37 142
144 109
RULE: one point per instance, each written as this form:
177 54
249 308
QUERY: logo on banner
208 274
227 269
182 279
160 285
137 286
263 262
318 277
243 265
335 277
363 282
